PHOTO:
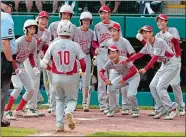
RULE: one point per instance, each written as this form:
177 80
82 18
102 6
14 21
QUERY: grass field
9 131
102 134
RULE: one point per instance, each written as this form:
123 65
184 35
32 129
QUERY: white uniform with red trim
164 75
102 35
175 84
125 49
23 50
64 54
84 38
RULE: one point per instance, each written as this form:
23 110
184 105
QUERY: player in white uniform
66 12
171 36
126 50
26 47
84 36
64 54
127 76
101 36
43 40
161 52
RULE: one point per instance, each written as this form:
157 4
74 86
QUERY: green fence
129 24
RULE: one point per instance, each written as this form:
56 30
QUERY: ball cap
145 28
9 3
115 26
43 14
104 8
113 48
162 16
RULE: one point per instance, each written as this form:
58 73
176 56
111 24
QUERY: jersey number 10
64 57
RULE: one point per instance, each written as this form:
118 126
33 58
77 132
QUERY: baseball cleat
71 123
180 111
9 115
49 110
106 111
59 129
125 112
85 108
170 115
32 113
21 113
135 114
159 114
39 113
111 113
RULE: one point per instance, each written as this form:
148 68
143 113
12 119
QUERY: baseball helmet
30 22
66 8
85 15
64 28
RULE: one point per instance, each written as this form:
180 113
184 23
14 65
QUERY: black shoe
5 123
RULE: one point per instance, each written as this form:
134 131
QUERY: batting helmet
85 15
30 22
66 8
64 28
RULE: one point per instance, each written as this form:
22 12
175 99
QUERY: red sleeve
48 68
131 73
143 42
95 44
176 46
102 75
83 64
14 64
151 63
44 48
31 59
135 57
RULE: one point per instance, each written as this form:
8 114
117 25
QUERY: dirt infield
95 121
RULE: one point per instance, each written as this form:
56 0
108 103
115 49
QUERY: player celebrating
125 75
25 48
126 50
161 52
101 36
64 54
43 39
84 36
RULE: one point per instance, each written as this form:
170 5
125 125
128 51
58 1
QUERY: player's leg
39 5
116 6
175 84
13 96
102 93
86 82
133 84
29 5
17 5
125 101
170 70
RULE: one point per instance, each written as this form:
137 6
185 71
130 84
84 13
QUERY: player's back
64 53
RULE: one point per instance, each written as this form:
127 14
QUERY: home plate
86 118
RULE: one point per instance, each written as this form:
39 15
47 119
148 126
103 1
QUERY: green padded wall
134 23
19 22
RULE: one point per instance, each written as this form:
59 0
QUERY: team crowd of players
62 53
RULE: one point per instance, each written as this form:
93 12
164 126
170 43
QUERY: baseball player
126 50
101 36
25 48
43 40
127 75
84 36
65 13
63 53
161 52
171 36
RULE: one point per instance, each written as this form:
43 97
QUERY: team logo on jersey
10 31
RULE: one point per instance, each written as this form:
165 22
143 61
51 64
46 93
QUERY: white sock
150 11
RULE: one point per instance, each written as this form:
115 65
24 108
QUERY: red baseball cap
145 28
113 48
162 16
115 26
104 8
43 14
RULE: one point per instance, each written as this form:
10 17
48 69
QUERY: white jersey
44 37
63 53
53 30
84 38
122 69
123 45
159 48
102 33
24 48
